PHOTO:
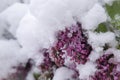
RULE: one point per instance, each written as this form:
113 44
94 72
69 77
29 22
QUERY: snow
86 70
3 26
26 1
51 15
26 32
32 38
103 2
59 14
38 58
116 53
33 71
96 53
9 56
68 61
6 3
100 39
30 76
108 1
93 17
80 7
48 14
12 16
63 73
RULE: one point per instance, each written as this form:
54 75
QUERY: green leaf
101 28
118 46
114 13
114 9
116 22
36 76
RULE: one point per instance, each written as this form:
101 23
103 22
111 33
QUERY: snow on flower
63 74
86 70
100 39
57 40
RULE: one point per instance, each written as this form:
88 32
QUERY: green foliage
36 76
114 13
114 9
118 47
101 28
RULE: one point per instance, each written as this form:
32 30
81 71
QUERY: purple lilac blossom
106 69
73 43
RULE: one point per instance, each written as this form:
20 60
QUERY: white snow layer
108 1
33 71
32 37
6 3
86 70
12 16
9 56
100 39
63 73
96 53
60 10
95 16
116 54
103 2
47 17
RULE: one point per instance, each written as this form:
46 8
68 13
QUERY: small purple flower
106 69
73 43
70 43
47 63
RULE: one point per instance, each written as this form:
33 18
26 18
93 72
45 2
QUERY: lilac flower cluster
47 63
47 66
73 43
106 69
